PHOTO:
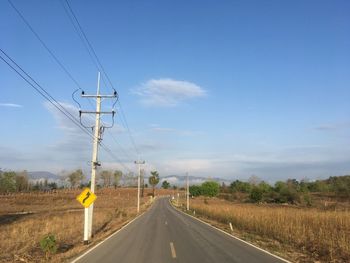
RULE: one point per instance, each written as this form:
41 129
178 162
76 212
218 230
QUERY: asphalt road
164 234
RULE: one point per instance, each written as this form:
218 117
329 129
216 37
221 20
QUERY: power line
127 126
83 38
114 156
41 90
44 45
52 53
79 34
90 47
44 93
121 148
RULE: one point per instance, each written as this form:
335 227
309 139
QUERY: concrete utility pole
188 193
138 184
88 213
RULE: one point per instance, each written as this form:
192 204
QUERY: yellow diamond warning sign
86 198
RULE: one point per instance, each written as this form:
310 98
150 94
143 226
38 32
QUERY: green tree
52 185
340 185
210 188
239 186
195 190
256 194
165 184
153 180
318 186
265 187
287 192
7 182
75 178
142 175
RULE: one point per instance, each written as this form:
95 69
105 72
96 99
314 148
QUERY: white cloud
162 129
10 105
333 126
158 129
312 161
168 92
193 165
74 145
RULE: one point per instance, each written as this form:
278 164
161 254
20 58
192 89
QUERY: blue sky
216 88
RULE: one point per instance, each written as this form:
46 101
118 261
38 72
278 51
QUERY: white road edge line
120 229
263 250
172 248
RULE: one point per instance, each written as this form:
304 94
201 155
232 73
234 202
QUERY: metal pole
188 193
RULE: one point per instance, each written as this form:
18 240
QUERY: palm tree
153 179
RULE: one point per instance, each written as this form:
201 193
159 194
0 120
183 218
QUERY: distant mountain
180 180
42 175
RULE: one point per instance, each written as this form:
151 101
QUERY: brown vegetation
25 218
322 235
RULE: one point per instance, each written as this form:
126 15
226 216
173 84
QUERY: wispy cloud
11 105
156 128
326 127
312 161
162 129
333 126
168 92
73 142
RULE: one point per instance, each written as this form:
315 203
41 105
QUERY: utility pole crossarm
98 112
99 96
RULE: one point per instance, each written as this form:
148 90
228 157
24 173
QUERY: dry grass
320 235
60 214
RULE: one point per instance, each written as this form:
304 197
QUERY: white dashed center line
172 248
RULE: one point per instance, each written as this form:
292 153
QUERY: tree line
289 191
11 181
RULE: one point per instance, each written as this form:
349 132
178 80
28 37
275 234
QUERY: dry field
300 234
26 218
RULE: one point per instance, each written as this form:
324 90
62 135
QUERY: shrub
48 245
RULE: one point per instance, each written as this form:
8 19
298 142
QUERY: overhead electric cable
44 45
50 51
44 93
90 47
41 90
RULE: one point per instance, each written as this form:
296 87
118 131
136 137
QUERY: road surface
164 235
